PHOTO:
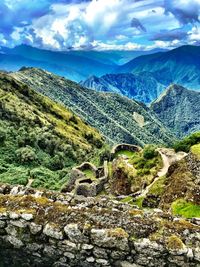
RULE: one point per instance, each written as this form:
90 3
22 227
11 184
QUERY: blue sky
100 24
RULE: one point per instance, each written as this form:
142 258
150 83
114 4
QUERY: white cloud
194 34
101 24
100 46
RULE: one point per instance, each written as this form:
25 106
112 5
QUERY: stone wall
44 228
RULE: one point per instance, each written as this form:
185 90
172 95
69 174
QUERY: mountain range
180 66
75 66
143 78
146 77
118 118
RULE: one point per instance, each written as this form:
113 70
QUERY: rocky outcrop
43 228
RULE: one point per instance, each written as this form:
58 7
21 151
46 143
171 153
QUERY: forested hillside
40 139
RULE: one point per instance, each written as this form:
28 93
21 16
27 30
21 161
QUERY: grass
126 153
158 187
127 199
196 150
138 202
90 174
185 209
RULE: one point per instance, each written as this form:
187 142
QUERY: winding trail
169 156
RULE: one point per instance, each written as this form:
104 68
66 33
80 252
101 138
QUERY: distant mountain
142 87
118 118
178 108
40 139
180 66
71 65
118 57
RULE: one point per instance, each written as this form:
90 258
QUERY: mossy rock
175 243
196 151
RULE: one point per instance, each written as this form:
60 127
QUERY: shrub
26 155
150 152
57 162
2 136
105 155
187 142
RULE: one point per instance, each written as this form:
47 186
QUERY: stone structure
44 229
81 184
128 147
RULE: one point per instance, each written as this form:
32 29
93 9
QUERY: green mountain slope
118 118
39 139
178 109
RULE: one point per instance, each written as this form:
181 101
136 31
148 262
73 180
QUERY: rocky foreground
43 228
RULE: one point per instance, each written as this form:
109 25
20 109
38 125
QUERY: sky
100 24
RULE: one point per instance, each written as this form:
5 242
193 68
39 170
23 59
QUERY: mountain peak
178 109
173 90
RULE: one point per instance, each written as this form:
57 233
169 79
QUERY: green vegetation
140 171
39 139
138 202
185 209
126 153
187 142
128 199
147 162
158 187
196 150
89 173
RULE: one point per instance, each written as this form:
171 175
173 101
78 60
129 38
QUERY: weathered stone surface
52 231
74 233
17 243
110 238
68 246
35 228
2 224
27 216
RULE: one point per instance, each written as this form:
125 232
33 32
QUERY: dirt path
169 156
30 181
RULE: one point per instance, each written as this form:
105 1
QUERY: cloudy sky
100 24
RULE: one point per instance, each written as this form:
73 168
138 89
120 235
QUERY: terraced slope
118 118
40 139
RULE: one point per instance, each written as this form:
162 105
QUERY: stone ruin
81 184
129 147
